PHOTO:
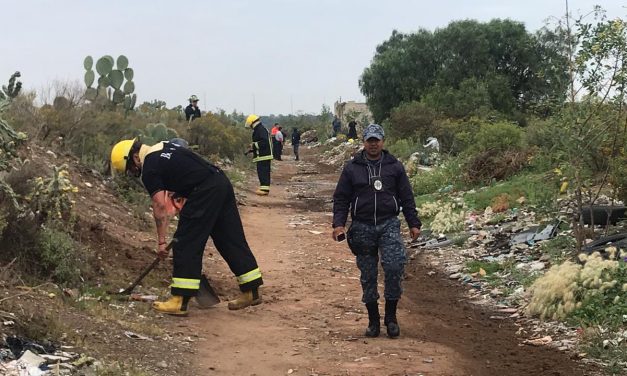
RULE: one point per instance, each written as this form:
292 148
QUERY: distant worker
432 143
295 142
352 130
374 188
207 208
433 151
279 138
262 153
337 126
192 112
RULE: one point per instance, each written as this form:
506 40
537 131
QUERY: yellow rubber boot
173 306
260 192
246 298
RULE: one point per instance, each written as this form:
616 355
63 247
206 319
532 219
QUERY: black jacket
367 205
191 112
295 138
262 151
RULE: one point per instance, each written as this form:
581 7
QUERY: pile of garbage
22 357
309 137
340 154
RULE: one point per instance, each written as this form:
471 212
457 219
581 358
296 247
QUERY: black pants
263 172
277 149
295 147
211 210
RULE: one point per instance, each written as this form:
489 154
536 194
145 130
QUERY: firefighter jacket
262 147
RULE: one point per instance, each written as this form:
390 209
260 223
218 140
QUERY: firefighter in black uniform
192 112
168 170
262 153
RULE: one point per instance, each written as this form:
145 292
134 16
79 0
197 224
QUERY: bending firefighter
173 175
262 153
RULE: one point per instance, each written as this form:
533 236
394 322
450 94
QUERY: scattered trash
143 298
315 232
137 336
543 341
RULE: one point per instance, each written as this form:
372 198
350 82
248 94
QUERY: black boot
390 319
374 320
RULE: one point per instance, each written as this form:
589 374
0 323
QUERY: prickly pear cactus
115 81
157 132
11 90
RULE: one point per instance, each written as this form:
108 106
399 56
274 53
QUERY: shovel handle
130 288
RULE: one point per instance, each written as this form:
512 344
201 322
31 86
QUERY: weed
537 191
613 354
490 267
558 248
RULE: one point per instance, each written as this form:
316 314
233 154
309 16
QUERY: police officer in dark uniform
375 188
192 112
168 170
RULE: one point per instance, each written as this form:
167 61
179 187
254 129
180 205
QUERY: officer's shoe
390 319
260 192
374 320
393 329
373 330
176 305
245 299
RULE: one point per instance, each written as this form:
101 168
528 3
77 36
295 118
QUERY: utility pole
204 100
254 111
291 104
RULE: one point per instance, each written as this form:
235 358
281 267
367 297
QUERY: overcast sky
267 56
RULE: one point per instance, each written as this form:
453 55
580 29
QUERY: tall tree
506 60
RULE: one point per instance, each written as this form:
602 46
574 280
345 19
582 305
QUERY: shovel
206 297
129 289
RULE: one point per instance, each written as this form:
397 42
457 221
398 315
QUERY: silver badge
378 185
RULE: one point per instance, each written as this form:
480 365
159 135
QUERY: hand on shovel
163 251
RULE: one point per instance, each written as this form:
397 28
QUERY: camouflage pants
367 242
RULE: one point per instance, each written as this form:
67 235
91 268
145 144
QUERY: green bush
426 182
411 120
497 137
60 256
403 148
214 138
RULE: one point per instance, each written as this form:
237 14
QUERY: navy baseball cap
374 130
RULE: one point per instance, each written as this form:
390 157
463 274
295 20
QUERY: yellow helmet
251 120
120 154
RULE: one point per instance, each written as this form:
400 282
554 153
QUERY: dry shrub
500 203
569 286
494 165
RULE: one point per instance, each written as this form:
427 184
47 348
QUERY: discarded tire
602 215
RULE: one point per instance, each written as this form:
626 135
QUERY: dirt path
312 320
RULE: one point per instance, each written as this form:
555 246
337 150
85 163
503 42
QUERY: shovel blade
207 296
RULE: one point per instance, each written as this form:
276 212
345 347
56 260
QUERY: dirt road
312 320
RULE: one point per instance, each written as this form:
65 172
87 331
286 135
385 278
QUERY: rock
536 266
455 275
545 258
162 364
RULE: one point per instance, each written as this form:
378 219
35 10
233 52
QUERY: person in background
262 153
192 112
337 126
280 138
352 130
375 188
295 141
